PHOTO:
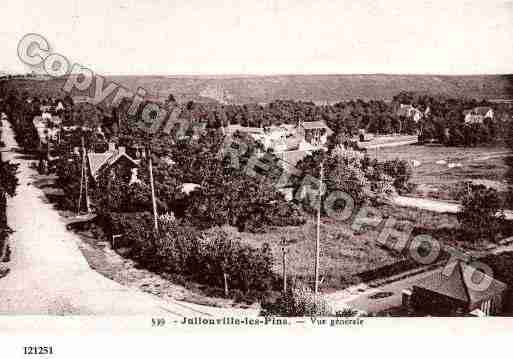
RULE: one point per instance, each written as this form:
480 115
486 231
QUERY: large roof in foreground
455 282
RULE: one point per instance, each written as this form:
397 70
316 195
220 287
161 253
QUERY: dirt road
435 205
48 273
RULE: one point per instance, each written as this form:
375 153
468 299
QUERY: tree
481 214
8 184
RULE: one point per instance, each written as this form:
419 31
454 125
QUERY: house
47 127
46 108
315 133
364 136
452 291
60 107
410 111
112 158
478 114
231 129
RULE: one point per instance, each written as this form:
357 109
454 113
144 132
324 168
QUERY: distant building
60 107
47 127
231 129
46 108
478 114
111 158
316 133
364 136
450 292
410 111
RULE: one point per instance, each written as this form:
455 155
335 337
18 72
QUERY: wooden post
284 258
86 179
114 237
317 241
153 200
81 183
225 277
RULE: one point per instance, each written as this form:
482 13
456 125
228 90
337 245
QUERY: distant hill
321 88
317 88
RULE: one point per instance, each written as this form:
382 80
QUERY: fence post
225 276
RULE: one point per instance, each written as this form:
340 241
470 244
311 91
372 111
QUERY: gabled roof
98 160
244 129
292 157
312 125
480 111
457 284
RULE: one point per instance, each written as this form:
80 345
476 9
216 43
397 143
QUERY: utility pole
153 200
317 241
86 180
81 185
284 258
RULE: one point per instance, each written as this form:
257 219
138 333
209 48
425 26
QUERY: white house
411 112
478 114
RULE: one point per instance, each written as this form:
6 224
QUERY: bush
298 301
481 215
400 171
204 257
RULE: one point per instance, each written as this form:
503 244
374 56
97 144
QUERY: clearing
443 168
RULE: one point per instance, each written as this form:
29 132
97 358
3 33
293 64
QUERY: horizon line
281 74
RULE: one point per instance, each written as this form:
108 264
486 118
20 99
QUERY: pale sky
267 37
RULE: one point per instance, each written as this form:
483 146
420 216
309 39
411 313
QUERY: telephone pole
86 180
284 254
317 240
153 200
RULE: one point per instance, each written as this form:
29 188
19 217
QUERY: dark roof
98 160
291 158
457 283
244 129
480 111
314 124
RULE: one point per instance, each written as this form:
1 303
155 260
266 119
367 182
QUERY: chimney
112 147
122 149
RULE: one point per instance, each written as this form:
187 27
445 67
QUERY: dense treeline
343 118
8 184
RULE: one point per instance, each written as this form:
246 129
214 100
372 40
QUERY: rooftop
458 284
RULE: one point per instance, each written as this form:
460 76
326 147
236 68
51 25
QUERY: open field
346 253
485 165
318 88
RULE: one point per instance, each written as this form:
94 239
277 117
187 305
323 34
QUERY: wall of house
426 302
490 306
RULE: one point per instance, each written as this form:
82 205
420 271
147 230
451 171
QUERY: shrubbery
400 171
205 257
300 301
481 215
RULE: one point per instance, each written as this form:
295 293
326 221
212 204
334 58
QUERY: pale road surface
435 206
48 273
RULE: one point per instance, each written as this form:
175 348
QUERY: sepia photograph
276 165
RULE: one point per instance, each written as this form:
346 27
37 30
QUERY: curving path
48 273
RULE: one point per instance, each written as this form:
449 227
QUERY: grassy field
486 165
345 253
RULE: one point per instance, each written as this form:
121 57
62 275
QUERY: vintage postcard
273 166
